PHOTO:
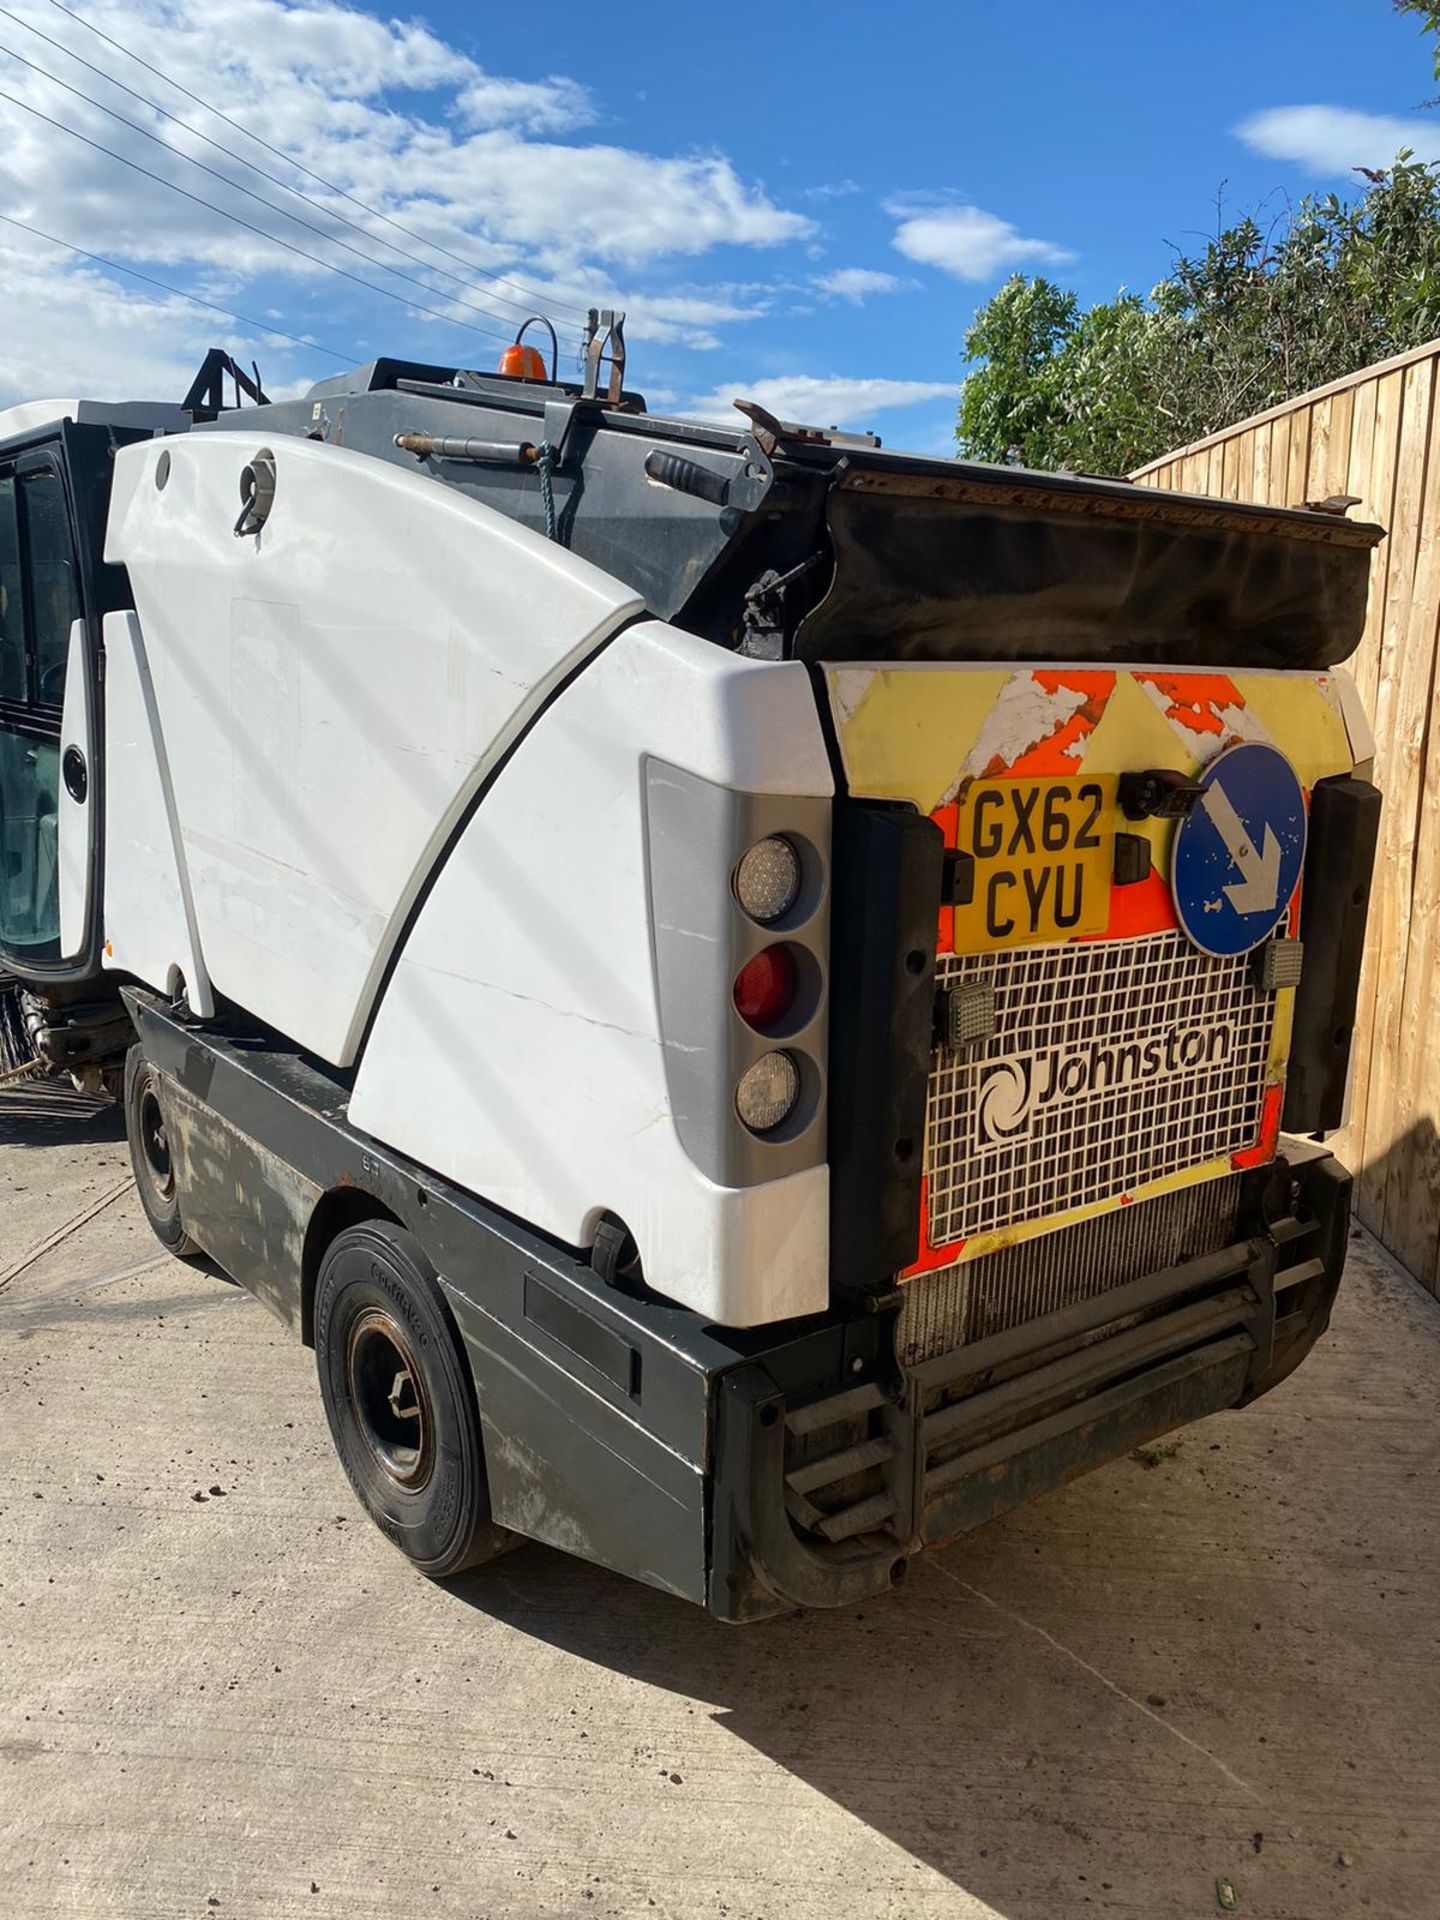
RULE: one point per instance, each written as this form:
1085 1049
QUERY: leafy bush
1261 315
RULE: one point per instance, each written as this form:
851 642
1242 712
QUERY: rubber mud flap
888 865
1334 901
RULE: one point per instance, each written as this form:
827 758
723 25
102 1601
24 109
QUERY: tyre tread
165 1220
475 1538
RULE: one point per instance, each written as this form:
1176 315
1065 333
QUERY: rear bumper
976 1432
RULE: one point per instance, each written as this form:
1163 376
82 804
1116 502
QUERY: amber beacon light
526 363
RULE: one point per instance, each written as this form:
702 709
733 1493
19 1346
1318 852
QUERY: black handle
687 476
75 774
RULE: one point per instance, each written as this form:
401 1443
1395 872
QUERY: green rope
545 461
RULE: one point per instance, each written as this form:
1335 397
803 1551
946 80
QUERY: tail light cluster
739 907
776 990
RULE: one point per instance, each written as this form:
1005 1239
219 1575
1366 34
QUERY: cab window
12 606
39 603
54 601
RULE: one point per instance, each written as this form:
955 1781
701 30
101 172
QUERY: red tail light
765 987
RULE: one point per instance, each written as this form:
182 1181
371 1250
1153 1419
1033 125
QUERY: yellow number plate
1043 856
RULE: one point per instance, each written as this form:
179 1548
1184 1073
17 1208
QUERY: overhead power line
239 186
251 166
484 273
264 326
225 213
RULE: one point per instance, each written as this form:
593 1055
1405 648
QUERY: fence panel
1376 435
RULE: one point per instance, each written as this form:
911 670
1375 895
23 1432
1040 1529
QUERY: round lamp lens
767 1092
767 880
765 987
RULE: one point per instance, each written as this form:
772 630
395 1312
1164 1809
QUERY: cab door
48 722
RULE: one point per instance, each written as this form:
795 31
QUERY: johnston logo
1015 1091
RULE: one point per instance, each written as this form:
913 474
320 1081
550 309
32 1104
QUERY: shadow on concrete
938 1715
92 1312
1104 1700
48 1113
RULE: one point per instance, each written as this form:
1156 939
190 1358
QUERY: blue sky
802 202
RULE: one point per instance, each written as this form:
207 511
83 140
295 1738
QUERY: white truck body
378 777
327 701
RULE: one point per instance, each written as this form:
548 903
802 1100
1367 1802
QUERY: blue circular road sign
1238 852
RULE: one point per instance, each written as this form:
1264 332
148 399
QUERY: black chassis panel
598 1409
633 1434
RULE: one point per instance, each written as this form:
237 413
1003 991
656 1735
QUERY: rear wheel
148 1133
399 1400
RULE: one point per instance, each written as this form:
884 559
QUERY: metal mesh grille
969 1301
1114 1062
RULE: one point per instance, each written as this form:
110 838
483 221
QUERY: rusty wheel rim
392 1405
155 1145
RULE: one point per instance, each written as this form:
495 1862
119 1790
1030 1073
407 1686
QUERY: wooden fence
1376 435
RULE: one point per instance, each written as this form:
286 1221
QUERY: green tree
1427 12
1258 316
1014 407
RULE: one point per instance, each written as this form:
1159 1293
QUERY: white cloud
858 283
314 79
556 105
74 331
482 164
610 201
968 242
811 401
677 315
1333 140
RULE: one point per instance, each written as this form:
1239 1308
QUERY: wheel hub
155 1144
392 1407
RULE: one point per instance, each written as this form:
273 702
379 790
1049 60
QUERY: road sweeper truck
758 1001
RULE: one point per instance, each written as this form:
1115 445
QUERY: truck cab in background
758 1001
55 471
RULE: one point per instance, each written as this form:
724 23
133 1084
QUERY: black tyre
400 1402
147 1131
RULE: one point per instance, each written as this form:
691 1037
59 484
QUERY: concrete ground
223 1695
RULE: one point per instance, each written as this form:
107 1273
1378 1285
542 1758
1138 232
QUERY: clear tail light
767 879
767 1092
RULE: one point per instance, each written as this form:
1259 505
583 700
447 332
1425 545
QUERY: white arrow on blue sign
1238 853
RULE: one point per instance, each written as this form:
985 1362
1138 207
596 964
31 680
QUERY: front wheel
399 1400
148 1135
